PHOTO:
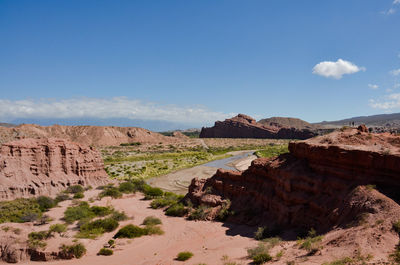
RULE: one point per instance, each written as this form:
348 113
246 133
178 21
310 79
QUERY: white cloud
396 2
395 72
336 69
390 11
373 86
391 101
119 107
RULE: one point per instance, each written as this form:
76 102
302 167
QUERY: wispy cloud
395 72
388 102
396 2
118 107
390 11
373 86
336 69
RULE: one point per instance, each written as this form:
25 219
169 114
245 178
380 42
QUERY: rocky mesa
243 126
32 167
344 184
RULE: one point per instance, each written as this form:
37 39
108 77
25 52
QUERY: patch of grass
342 261
79 195
130 231
168 199
101 210
97 227
105 252
151 220
45 203
119 216
112 192
311 243
152 192
177 209
76 250
153 230
36 239
272 151
82 211
58 228
19 210
185 255
259 254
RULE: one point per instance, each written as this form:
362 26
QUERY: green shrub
261 258
82 211
101 210
97 227
151 192
177 209
151 220
164 201
112 192
182 256
127 187
19 210
45 203
41 235
58 228
105 252
76 250
79 195
225 211
153 230
119 216
311 243
130 231
75 189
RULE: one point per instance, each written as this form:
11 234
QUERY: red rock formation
312 186
243 126
32 167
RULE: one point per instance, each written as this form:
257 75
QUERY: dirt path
179 181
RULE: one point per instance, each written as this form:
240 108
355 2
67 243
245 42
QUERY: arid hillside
88 135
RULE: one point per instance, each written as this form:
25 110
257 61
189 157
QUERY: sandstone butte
243 126
345 185
32 167
87 135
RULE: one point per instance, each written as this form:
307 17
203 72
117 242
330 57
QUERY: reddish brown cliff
243 126
31 167
315 185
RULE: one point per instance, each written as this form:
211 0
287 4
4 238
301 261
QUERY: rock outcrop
32 167
243 126
315 185
88 135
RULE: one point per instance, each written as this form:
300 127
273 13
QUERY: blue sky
198 61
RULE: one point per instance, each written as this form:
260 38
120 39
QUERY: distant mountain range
381 120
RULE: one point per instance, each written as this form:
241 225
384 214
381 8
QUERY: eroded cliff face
32 167
243 126
315 185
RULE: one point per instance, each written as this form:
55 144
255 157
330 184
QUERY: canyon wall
31 167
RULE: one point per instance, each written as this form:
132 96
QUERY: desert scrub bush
199 213
74 213
112 192
168 199
105 252
342 261
75 189
101 210
119 216
152 220
127 187
76 250
35 239
152 192
97 227
130 231
58 228
260 253
45 203
185 255
177 209
225 211
19 210
79 195
311 243
62 197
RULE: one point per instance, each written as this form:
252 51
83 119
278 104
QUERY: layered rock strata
32 167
